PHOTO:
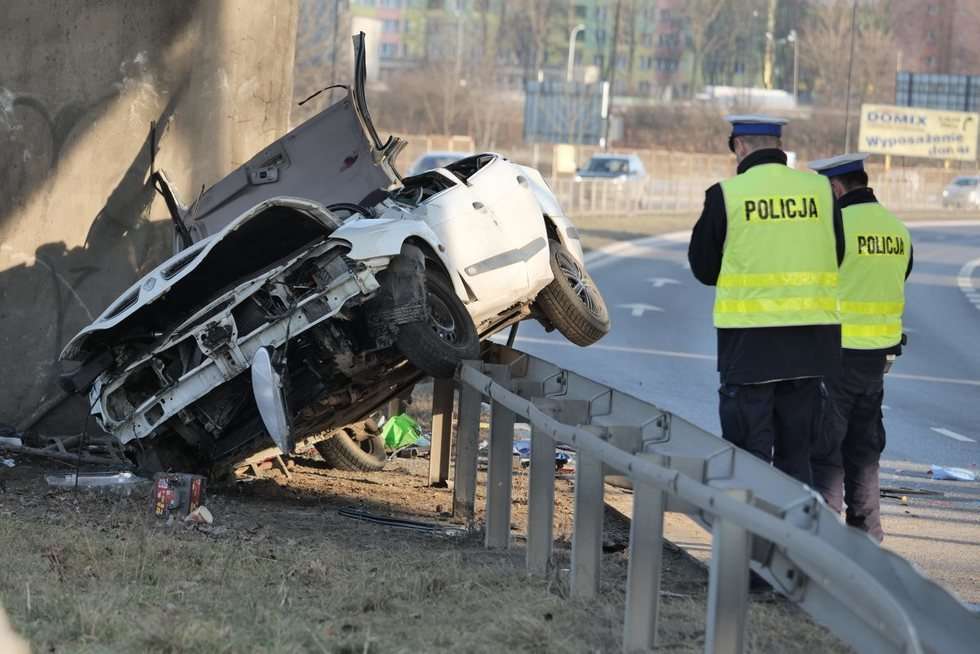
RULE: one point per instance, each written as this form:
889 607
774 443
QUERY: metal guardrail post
728 583
500 465
442 429
645 564
467 444
587 534
540 502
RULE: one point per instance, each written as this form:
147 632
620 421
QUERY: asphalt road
662 349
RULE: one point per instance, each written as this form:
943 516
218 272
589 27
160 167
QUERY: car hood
218 258
336 156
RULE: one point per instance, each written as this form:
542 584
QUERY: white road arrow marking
639 309
953 435
660 282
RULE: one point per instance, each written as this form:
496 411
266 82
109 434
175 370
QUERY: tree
825 47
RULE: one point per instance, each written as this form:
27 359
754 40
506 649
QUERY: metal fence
676 181
759 517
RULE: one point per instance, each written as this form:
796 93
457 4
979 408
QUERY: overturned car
312 284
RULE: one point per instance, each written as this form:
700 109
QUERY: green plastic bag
400 431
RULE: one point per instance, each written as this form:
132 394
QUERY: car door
504 192
474 242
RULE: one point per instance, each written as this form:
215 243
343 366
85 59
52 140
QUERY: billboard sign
915 132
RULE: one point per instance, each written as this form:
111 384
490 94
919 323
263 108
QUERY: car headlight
578 178
945 193
973 196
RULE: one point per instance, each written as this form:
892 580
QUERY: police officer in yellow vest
872 296
770 240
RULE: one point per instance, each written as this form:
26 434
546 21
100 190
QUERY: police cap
839 165
754 125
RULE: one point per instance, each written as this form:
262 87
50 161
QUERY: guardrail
759 517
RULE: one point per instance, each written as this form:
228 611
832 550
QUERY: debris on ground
400 431
10 463
942 473
124 483
200 516
177 494
78 449
399 523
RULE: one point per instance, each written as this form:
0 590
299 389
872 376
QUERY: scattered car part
356 447
177 494
414 525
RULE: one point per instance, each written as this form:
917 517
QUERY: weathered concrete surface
80 82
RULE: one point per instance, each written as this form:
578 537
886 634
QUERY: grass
91 573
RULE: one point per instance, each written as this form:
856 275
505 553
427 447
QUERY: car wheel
358 447
447 336
572 302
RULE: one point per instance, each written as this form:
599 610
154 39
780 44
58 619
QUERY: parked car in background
613 167
964 191
435 159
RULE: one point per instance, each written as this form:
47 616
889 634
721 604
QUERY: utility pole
767 64
612 74
333 48
850 72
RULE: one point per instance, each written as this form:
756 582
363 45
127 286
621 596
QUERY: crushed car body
336 283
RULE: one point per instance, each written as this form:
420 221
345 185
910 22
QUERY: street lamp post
794 39
571 50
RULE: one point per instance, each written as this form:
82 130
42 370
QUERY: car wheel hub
441 319
581 285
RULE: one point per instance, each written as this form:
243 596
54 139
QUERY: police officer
770 240
872 296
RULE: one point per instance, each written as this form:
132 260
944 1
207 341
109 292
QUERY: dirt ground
280 570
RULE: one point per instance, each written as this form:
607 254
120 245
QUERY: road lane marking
938 380
710 357
619 348
965 281
926 224
640 247
660 282
953 435
638 309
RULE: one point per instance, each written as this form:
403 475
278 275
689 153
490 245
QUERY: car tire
357 448
439 343
572 302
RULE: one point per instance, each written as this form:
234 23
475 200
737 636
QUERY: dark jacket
760 354
873 359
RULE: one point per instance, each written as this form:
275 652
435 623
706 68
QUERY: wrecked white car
313 284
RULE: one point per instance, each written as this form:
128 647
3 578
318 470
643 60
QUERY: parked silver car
613 167
964 191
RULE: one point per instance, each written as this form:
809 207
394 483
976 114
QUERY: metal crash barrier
759 517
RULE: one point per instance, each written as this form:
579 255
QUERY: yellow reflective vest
872 277
779 262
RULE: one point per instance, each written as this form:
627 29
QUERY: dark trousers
846 454
775 421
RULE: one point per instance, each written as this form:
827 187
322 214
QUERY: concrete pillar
80 82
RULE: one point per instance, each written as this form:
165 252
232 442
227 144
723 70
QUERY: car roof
441 153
